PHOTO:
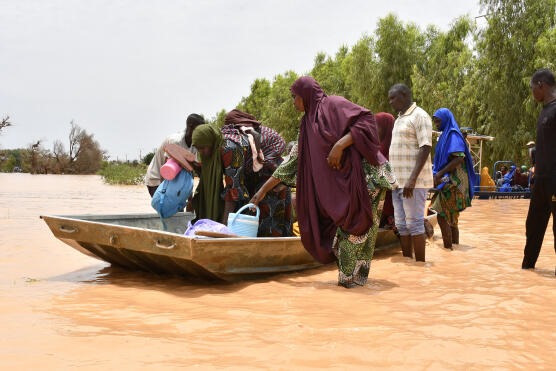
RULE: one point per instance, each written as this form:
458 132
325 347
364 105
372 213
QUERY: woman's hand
437 179
334 158
267 186
257 197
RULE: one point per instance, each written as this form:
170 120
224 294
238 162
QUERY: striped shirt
412 130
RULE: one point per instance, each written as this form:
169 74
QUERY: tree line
83 156
481 73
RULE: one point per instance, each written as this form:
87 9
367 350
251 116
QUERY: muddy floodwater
470 308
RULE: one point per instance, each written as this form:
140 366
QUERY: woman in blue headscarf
454 176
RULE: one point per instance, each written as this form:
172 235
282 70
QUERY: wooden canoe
138 241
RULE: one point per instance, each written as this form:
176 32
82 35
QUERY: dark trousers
540 208
152 190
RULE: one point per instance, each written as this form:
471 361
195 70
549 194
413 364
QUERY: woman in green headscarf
207 201
231 173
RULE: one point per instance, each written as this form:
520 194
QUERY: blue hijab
451 140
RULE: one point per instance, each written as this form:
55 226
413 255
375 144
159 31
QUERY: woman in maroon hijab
385 124
341 178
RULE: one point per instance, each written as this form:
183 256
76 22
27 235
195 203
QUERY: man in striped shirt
411 162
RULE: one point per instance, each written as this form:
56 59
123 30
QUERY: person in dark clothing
531 152
543 89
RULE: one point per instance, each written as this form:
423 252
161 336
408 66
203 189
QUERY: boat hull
139 242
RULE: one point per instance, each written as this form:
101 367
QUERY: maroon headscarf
327 198
235 120
385 122
240 118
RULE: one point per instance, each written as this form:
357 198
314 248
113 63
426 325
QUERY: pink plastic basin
170 169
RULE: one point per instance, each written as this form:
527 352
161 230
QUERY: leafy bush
123 173
147 159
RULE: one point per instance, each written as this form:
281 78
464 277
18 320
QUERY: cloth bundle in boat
244 225
171 195
206 225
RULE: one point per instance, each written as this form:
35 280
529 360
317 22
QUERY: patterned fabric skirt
453 198
354 253
275 219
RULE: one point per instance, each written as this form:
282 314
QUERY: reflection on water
471 308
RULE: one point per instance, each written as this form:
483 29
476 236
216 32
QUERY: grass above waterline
123 173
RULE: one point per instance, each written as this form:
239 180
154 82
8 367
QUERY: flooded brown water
471 308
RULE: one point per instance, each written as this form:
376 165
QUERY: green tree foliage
89 158
480 73
256 102
12 160
219 119
280 114
60 158
398 48
146 160
444 70
361 67
331 73
274 105
84 157
123 173
545 50
507 58
39 159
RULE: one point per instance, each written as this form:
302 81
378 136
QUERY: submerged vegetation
124 173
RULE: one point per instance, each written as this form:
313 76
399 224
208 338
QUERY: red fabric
240 118
236 119
327 198
385 122
520 179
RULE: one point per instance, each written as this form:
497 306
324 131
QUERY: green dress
454 196
353 253
287 170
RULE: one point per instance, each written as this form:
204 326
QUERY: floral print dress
353 253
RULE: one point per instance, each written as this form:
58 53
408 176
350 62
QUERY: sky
130 71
